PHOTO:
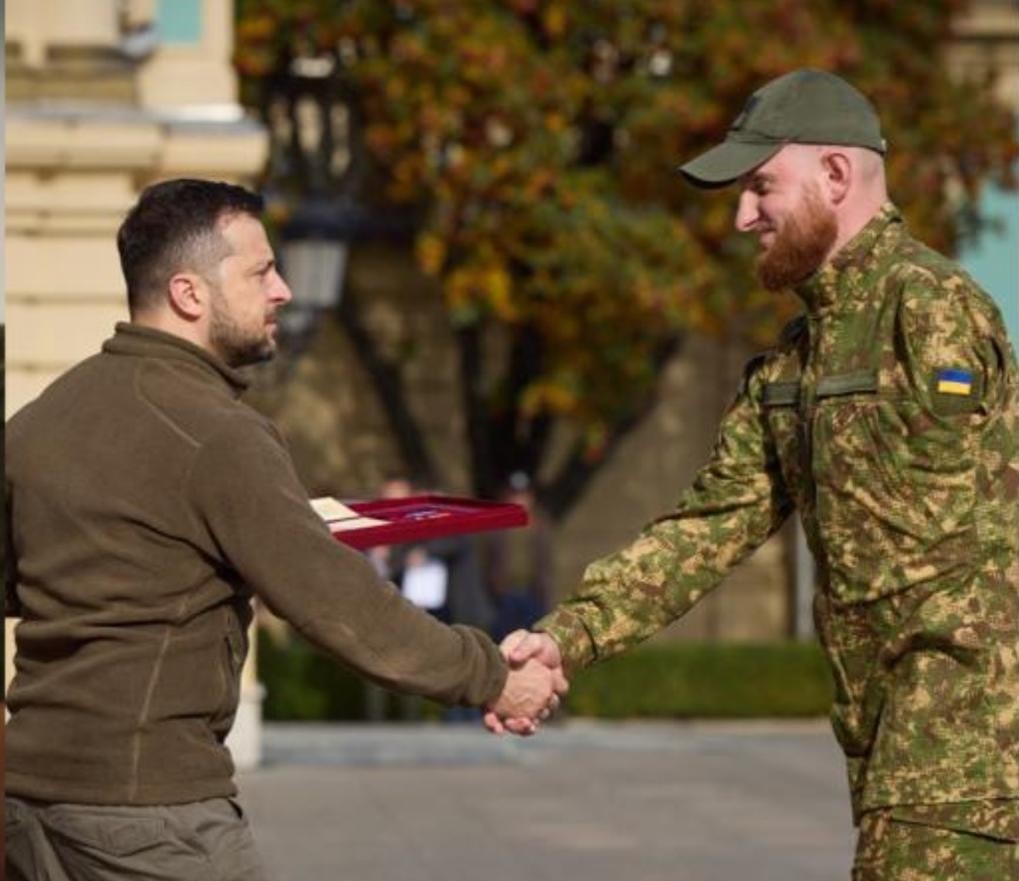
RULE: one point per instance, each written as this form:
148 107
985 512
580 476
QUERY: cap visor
727 162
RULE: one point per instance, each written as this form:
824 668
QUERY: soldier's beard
801 244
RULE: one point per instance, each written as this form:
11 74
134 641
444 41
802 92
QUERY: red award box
419 518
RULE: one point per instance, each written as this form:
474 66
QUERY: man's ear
837 175
188 295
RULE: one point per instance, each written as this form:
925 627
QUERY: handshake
534 687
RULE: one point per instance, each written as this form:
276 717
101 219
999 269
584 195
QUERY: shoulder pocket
956 390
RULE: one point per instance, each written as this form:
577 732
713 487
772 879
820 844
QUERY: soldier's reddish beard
801 244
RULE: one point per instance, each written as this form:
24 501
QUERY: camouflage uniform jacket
888 416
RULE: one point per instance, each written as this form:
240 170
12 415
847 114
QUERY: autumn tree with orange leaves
534 143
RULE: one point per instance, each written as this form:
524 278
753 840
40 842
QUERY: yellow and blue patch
952 381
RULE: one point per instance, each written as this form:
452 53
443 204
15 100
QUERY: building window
179 21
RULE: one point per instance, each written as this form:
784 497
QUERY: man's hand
525 697
522 648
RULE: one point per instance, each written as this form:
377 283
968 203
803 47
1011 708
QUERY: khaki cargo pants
911 844
201 841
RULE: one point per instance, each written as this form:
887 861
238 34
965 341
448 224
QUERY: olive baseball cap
802 107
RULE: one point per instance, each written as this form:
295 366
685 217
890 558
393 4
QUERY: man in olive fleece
887 414
146 505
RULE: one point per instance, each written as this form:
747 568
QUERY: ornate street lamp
315 244
316 172
308 122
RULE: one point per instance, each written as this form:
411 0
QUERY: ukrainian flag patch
953 381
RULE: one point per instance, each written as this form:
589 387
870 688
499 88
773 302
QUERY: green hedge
680 680
303 684
673 680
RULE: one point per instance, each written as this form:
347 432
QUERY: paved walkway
582 800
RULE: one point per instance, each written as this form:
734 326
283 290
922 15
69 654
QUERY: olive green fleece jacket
146 504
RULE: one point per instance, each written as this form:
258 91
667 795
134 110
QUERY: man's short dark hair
173 228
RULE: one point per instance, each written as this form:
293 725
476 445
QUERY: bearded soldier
887 414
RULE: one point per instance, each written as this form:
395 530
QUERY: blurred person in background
887 415
146 505
518 564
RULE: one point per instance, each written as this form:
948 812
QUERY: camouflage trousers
898 845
